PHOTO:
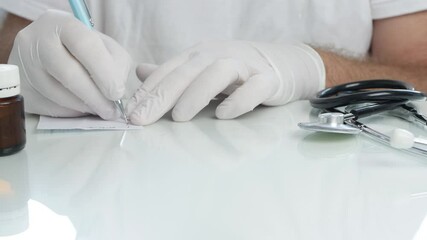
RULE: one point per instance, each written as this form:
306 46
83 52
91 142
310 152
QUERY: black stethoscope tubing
390 94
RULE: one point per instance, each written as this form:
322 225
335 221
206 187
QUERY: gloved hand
250 73
69 70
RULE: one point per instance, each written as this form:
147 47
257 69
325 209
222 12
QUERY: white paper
83 123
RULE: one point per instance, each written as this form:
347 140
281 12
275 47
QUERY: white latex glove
250 73
68 70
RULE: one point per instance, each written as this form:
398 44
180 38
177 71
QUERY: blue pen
81 12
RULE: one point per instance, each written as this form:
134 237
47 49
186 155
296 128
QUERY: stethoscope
341 106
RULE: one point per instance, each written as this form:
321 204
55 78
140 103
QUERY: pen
81 12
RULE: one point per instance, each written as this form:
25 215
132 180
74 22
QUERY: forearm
341 69
12 25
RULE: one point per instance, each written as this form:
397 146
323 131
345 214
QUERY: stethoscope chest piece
331 122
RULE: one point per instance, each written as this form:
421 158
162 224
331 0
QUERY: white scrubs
153 31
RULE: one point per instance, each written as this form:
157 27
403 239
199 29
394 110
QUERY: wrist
299 67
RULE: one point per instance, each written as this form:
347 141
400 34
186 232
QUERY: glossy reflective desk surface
257 177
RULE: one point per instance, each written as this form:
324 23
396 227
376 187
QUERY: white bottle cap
9 81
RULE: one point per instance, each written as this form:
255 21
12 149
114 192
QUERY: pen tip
126 119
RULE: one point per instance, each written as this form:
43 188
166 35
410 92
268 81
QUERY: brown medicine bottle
12 117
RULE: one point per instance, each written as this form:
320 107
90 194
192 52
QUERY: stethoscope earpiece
402 139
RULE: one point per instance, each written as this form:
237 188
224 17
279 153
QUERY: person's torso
155 30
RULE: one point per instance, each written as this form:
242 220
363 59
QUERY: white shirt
155 30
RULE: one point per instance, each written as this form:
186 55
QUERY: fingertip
231 108
109 114
139 118
136 119
115 93
144 114
181 115
225 111
114 85
137 98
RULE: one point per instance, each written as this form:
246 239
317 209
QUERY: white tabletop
256 177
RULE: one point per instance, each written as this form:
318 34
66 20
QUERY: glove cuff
298 66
